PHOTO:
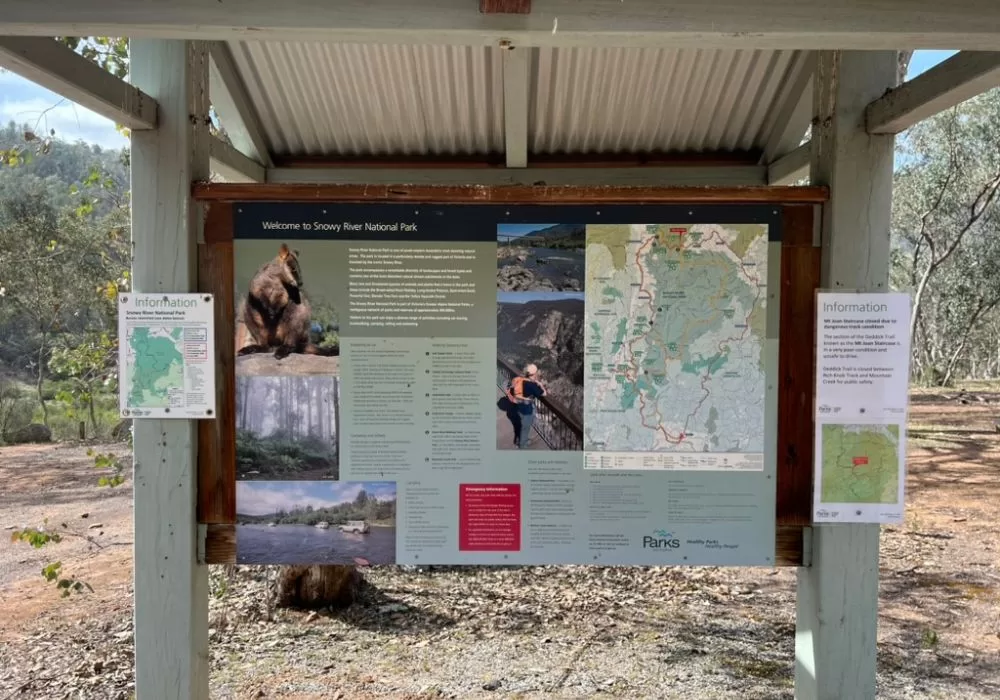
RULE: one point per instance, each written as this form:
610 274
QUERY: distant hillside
370 509
557 236
50 176
550 334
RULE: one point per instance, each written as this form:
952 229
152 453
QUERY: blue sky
519 229
922 60
23 101
523 297
265 497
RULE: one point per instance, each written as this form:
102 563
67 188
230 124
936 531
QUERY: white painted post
171 587
837 606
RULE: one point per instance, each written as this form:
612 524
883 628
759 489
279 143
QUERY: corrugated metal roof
360 99
647 100
341 100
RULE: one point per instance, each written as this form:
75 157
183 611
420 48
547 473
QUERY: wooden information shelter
800 277
519 101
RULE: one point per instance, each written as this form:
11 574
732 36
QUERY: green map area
860 464
156 366
676 329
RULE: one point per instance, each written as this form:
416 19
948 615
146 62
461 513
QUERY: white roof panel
365 100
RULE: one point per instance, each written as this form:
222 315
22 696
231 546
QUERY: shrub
16 409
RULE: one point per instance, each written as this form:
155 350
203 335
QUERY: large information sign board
166 348
862 382
483 384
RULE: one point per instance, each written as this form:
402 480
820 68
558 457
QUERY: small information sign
862 382
166 345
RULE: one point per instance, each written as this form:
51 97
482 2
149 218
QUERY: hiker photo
540 257
287 307
539 371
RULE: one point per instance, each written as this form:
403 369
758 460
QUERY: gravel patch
531 632
519 632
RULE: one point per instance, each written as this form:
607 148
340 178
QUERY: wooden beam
837 601
516 103
791 167
510 7
58 68
538 160
800 278
951 82
751 24
794 110
683 176
232 165
171 586
220 544
510 194
236 110
217 438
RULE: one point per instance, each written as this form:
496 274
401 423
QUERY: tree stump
317 586
121 430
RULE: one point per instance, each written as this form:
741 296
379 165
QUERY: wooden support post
837 604
171 586
516 99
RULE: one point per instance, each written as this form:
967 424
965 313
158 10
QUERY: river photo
315 522
540 257
307 544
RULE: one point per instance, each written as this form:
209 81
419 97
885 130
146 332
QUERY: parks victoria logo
660 539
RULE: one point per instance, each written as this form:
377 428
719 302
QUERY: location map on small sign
166 355
862 375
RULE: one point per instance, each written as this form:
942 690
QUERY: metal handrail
554 425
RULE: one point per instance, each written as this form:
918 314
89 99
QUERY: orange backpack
515 390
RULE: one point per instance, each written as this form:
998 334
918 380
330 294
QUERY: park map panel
676 326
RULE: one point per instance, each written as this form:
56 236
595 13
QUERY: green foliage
929 639
364 507
110 53
108 460
65 255
36 538
64 419
946 247
278 455
16 408
64 233
88 365
325 326
51 573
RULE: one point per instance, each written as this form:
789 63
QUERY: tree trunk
310 393
38 383
93 415
317 586
918 297
335 398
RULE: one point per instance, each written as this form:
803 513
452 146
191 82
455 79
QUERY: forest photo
287 428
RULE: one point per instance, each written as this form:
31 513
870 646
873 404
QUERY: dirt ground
520 632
